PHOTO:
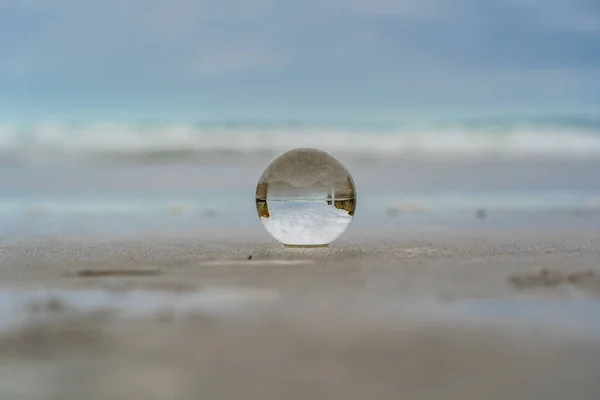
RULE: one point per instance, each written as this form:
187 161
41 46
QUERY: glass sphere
305 197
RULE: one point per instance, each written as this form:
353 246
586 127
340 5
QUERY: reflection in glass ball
305 197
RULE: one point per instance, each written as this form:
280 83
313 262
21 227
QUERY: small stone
391 212
210 213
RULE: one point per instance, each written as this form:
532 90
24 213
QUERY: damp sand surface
497 316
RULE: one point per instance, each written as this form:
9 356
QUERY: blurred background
158 116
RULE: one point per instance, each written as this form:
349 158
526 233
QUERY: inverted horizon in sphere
305 197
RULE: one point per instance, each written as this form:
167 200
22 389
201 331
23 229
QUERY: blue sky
241 56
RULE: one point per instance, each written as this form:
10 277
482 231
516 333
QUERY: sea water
195 180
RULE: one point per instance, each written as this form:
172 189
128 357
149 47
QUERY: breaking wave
56 142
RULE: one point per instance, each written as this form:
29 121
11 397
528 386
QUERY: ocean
170 178
569 135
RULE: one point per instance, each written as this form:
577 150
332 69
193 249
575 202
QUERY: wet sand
459 317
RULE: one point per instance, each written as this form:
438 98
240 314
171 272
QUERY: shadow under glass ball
305 198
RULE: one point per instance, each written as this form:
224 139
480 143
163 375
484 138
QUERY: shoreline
493 317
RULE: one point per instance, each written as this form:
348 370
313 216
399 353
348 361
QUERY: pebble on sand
210 213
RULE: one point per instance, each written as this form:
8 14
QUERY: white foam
55 141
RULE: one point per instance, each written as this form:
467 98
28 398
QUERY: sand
444 265
450 316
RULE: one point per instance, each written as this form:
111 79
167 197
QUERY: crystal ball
305 197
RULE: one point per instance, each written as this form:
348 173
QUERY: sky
238 57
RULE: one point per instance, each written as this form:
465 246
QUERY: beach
161 239
463 317
463 280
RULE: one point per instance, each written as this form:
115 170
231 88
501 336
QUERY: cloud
576 15
417 9
240 57
381 50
